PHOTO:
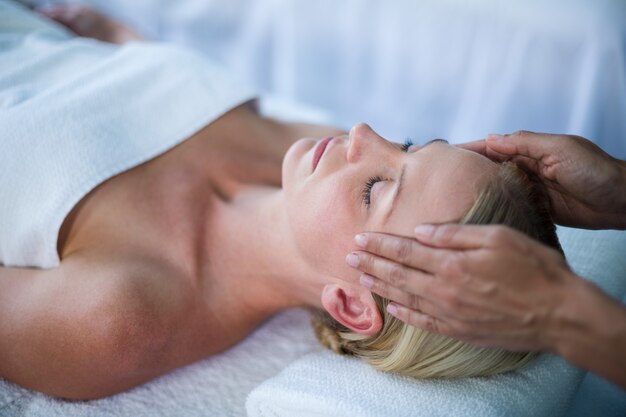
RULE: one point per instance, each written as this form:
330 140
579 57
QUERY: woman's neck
252 264
254 267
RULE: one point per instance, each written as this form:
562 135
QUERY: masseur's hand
586 186
493 286
488 285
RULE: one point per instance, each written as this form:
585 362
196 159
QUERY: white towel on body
325 384
75 112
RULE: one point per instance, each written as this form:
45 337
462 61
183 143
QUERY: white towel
325 384
75 112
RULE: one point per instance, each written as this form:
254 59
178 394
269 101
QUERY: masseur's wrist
588 326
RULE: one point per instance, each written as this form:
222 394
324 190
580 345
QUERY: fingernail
392 309
366 281
493 137
424 230
361 240
353 260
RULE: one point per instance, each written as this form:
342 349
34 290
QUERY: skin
87 22
123 307
464 281
325 207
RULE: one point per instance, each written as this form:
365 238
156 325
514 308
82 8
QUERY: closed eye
367 190
406 145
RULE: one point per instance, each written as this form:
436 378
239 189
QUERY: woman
181 256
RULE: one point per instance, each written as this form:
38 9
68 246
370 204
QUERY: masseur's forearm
589 330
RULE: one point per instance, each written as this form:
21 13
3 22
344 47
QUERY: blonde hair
510 198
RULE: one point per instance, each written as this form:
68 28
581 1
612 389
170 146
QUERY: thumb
478 146
523 143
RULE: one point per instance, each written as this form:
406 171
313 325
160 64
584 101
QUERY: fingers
408 265
389 292
522 146
437 307
482 147
394 274
478 335
523 143
464 238
456 236
400 249
419 319
413 288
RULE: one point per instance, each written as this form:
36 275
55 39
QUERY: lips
319 151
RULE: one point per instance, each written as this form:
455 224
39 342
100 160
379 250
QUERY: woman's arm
91 328
87 22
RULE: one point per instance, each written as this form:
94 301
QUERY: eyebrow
394 201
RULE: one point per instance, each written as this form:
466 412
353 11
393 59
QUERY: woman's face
363 182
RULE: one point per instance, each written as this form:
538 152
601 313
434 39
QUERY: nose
361 139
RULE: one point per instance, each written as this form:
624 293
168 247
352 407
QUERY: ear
354 308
